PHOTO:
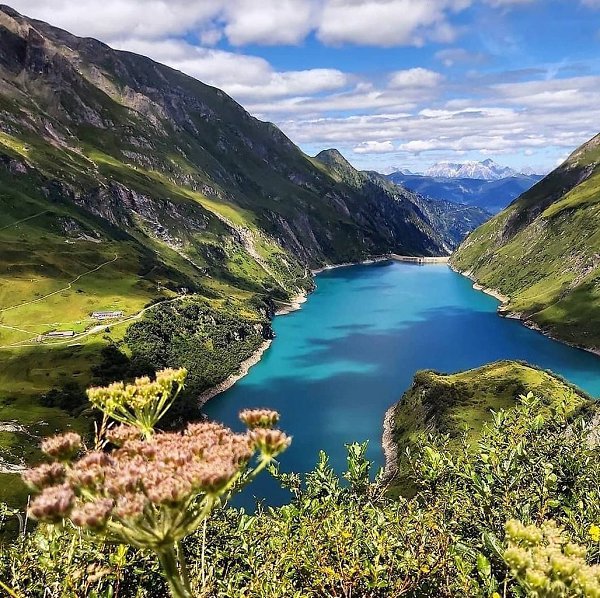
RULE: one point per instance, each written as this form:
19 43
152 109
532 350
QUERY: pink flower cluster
141 477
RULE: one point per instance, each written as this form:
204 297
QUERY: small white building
60 333
107 315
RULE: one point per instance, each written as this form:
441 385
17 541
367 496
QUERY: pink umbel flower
259 418
153 488
63 446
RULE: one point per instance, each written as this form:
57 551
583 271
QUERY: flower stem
185 576
177 584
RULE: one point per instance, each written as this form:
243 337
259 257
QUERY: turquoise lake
337 364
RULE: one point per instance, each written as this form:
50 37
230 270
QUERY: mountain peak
486 170
333 157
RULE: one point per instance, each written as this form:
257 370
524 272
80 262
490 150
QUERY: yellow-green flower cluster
142 403
547 564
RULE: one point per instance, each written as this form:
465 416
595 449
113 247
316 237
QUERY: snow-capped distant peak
487 170
528 171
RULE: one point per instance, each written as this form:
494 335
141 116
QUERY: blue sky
390 83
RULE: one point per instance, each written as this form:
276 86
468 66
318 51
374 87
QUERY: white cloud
574 93
243 76
370 22
532 118
413 111
112 19
374 147
361 99
211 37
387 22
416 77
269 21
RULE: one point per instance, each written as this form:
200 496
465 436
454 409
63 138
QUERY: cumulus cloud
518 118
387 22
403 113
374 147
243 76
370 22
269 21
415 77
113 19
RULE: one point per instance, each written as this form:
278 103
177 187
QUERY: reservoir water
337 364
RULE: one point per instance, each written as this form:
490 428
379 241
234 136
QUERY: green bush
211 344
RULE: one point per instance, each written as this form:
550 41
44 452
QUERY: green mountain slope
543 251
94 117
453 404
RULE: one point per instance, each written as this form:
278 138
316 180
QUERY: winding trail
23 220
15 328
69 286
93 330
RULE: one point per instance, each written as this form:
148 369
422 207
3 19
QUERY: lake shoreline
390 257
245 367
373 260
294 304
503 311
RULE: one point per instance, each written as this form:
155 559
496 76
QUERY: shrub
342 536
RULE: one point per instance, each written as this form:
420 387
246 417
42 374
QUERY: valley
237 361
129 187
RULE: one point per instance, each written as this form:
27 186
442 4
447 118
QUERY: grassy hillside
543 251
60 263
461 403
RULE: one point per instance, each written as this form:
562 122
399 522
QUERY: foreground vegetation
535 462
542 251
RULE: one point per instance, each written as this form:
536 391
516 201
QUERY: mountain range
481 184
486 170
